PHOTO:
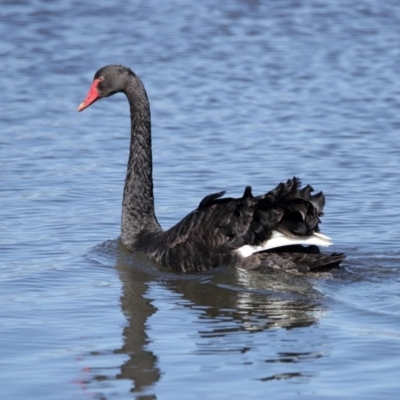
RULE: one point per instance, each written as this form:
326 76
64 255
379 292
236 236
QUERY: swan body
265 231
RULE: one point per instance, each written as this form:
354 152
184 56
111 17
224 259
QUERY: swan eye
101 79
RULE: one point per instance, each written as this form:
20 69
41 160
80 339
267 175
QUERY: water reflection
235 300
141 366
226 301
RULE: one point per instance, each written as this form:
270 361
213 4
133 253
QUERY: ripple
242 93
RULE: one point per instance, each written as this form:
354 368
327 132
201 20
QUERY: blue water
242 93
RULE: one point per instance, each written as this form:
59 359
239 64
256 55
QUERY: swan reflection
223 302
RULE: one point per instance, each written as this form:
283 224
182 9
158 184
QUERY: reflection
249 300
225 301
279 377
141 367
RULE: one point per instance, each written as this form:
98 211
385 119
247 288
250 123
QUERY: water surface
242 93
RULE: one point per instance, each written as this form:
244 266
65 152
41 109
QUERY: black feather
208 200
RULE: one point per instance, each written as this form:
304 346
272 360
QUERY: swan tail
287 215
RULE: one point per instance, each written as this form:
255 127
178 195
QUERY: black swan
248 232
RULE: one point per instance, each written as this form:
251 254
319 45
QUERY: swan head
107 81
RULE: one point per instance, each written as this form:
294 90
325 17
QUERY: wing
221 226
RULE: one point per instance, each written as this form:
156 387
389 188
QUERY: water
242 92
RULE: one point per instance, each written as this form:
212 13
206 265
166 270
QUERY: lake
242 93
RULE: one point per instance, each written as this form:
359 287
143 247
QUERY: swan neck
138 216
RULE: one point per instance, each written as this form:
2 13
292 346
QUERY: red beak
91 97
